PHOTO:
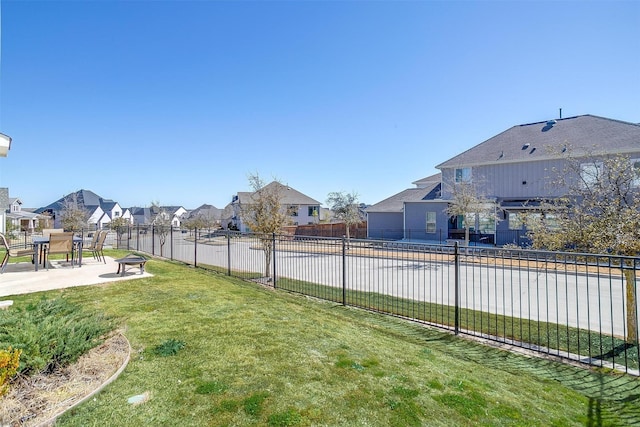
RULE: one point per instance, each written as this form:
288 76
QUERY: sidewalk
21 278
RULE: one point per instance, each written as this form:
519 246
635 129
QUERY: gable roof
396 202
435 178
85 198
289 195
207 211
530 142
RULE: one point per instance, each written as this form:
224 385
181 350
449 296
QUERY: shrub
169 348
9 361
51 333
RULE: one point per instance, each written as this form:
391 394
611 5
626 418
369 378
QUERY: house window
313 211
293 210
486 223
552 221
116 214
590 173
516 220
431 222
463 175
635 170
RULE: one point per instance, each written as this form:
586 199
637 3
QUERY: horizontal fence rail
571 305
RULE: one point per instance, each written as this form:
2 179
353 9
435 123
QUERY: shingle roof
530 142
428 180
84 198
290 196
396 202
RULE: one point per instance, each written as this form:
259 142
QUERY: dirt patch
36 399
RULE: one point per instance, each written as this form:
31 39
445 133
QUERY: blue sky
178 101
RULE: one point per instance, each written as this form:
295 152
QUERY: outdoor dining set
54 242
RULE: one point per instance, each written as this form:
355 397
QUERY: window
516 220
293 210
552 221
116 214
590 173
463 175
635 169
486 223
431 222
313 211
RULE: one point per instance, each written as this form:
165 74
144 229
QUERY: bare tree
119 225
264 214
345 207
600 213
161 223
73 217
469 203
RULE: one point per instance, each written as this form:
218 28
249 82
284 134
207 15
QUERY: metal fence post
456 263
228 253
153 240
171 242
195 246
344 270
273 255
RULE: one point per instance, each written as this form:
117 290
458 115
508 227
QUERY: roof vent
551 122
525 146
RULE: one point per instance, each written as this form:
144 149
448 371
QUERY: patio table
38 241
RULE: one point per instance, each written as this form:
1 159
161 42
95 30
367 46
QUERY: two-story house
100 211
148 215
514 169
14 215
301 208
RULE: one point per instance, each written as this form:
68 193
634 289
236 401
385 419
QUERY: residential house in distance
147 216
18 218
301 208
208 213
99 210
514 170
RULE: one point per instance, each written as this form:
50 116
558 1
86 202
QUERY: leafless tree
73 217
161 224
264 214
345 207
469 202
600 213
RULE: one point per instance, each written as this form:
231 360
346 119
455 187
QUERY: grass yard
254 356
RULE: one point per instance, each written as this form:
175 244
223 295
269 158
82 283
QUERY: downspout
404 221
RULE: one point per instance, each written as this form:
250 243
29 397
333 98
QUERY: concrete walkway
20 278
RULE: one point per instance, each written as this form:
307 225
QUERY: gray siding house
388 219
515 169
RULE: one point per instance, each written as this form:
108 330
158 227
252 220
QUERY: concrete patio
20 278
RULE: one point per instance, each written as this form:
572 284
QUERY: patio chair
60 243
92 246
47 232
97 244
15 252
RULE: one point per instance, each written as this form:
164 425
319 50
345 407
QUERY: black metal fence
571 305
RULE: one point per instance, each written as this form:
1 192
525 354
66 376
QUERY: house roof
584 135
396 202
207 211
290 196
428 180
84 198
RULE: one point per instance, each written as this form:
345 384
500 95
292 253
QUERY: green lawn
255 356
